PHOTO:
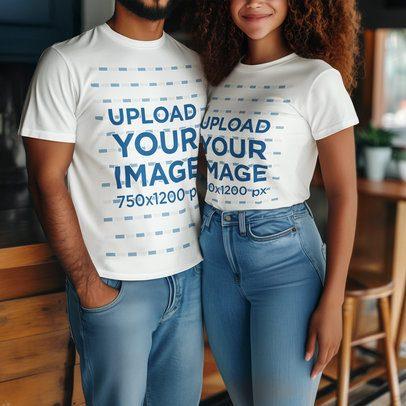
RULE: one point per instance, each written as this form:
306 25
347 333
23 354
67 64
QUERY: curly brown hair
322 29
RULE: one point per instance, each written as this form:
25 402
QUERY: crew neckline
260 66
135 43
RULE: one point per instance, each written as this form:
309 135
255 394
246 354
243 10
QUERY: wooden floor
214 385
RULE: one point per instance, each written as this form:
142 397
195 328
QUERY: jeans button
227 218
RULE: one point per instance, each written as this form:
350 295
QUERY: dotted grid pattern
184 94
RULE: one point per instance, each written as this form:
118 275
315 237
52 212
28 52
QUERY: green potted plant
377 148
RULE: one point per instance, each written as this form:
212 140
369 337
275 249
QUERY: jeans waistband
240 217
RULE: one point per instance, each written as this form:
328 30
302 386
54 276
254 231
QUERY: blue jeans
144 348
263 274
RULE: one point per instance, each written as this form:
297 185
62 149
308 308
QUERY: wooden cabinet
38 364
27 27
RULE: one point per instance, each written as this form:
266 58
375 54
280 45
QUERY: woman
280 72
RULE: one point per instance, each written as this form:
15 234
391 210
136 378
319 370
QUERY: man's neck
132 26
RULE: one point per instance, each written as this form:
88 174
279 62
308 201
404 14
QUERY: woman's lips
256 17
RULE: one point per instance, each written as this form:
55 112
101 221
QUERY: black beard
153 13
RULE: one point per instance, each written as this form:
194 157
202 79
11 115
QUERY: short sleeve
329 107
50 105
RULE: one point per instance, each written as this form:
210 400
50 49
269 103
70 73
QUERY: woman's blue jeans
263 274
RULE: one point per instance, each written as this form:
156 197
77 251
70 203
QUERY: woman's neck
267 49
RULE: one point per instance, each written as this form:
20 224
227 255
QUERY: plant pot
402 170
376 162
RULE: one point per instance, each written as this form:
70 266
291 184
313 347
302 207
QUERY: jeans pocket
270 229
114 283
312 246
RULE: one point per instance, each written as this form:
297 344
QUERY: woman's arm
338 167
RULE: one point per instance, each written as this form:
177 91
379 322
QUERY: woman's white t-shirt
261 127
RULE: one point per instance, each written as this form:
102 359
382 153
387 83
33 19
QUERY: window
389 110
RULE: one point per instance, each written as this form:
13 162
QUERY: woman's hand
325 328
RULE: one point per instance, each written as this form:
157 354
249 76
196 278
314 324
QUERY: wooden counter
391 195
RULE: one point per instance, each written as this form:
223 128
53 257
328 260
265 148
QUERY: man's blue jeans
144 348
263 274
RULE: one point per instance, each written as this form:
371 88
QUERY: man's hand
96 294
47 164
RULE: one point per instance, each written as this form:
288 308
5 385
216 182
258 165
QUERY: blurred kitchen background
38 362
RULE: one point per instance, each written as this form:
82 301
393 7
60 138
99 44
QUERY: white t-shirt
134 110
261 127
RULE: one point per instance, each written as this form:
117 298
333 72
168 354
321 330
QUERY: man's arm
47 165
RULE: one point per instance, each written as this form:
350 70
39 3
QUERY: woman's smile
256 17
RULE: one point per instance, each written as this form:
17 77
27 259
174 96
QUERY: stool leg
391 368
344 363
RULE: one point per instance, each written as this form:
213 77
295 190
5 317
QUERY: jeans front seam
231 260
242 225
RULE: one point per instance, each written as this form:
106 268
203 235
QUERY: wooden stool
363 285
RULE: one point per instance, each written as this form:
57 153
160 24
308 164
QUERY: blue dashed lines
150 215
167 250
251 99
252 86
143 68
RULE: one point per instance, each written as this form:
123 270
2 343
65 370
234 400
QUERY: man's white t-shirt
133 109
261 127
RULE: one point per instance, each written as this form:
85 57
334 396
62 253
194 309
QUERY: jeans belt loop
308 209
241 223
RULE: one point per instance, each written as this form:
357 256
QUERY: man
118 110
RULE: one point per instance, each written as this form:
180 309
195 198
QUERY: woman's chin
256 35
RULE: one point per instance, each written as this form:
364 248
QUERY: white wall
95 12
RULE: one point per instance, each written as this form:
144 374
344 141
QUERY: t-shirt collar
132 42
250 68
